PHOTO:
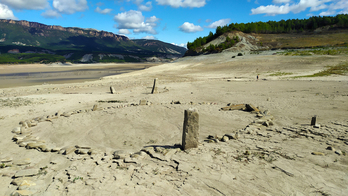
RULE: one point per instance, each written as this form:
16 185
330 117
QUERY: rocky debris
191 129
95 107
154 88
234 107
175 102
112 90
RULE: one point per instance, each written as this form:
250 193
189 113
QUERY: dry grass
341 69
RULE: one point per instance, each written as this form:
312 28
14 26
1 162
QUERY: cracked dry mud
55 144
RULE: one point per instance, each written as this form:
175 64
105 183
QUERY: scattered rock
21 162
330 148
68 150
338 152
225 138
251 108
317 126
234 107
22 193
26 173
95 107
16 130
318 153
142 102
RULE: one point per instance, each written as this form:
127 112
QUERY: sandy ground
135 149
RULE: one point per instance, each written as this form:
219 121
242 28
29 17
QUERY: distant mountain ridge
75 43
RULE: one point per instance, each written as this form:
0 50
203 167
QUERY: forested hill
272 27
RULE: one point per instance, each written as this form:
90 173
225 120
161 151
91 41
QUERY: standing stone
314 120
112 90
154 88
95 107
190 130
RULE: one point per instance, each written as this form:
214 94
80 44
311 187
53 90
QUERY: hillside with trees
291 26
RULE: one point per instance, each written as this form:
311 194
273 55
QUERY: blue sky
172 21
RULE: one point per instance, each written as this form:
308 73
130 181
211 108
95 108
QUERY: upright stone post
112 90
191 129
314 120
154 88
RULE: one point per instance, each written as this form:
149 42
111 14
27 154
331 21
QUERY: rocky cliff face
74 30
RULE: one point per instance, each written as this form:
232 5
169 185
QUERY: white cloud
70 6
104 11
6 13
26 4
124 32
51 14
220 23
302 5
149 37
147 7
182 3
281 1
190 28
136 21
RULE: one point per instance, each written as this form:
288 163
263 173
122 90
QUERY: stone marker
314 120
190 130
112 90
154 88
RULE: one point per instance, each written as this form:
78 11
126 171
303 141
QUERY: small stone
27 172
119 154
317 126
82 151
330 148
210 137
142 102
66 114
6 160
225 139
21 162
68 150
26 184
338 152
16 130
318 153
95 107
22 193
251 108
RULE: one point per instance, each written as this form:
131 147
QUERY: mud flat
37 74
255 136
